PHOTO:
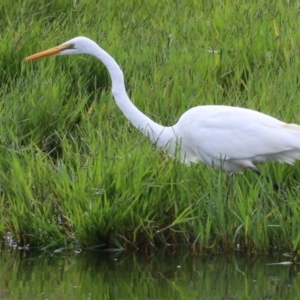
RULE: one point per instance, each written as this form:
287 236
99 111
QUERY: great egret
224 137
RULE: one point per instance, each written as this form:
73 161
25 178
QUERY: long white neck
162 137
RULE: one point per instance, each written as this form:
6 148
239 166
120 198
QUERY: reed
72 178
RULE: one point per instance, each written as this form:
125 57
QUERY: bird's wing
236 134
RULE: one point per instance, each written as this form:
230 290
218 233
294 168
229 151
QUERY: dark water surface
98 275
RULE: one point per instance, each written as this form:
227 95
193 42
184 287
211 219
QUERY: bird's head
74 46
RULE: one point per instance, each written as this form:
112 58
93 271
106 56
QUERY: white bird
224 137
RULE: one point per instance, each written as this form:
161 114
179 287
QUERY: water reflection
98 275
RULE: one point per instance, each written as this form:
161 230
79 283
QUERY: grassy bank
69 177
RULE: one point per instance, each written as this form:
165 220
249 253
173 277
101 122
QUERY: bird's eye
71 46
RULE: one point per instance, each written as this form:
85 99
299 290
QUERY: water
98 275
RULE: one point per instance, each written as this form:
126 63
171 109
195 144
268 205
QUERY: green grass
69 177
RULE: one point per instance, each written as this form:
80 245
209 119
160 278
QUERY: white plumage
224 137
235 138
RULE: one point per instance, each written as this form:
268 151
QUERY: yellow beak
49 52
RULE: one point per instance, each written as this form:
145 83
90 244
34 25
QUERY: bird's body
234 138
224 137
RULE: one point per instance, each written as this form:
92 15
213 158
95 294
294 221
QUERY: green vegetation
68 177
